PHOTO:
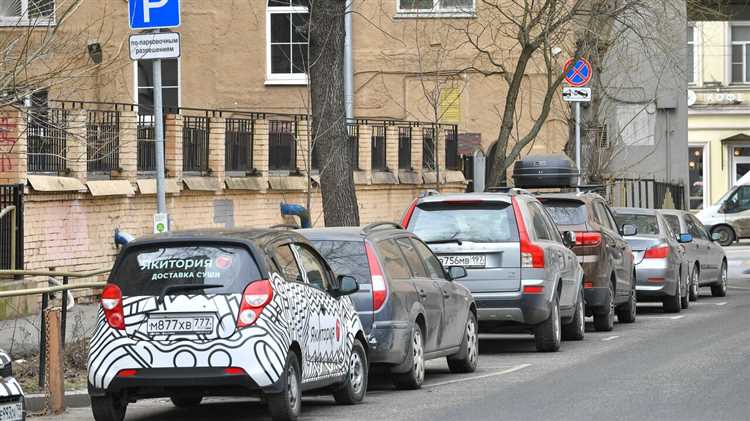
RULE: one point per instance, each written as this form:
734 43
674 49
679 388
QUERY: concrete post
128 145
77 138
173 145
13 146
217 147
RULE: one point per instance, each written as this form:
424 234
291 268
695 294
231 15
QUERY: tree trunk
328 113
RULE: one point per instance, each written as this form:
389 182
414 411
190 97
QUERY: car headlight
6 370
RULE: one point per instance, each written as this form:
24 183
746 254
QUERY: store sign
722 98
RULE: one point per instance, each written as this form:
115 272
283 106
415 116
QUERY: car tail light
255 298
657 252
234 371
127 373
112 306
533 289
409 212
379 285
588 284
532 256
588 238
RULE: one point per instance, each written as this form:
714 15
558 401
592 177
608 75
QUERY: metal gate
11 226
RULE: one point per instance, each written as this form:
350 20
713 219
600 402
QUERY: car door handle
422 293
446 294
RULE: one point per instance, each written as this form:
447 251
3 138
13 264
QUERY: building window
451 149
696 170
286 32
378 158
436 7
428 149
27 12
170 85
404 148
741 54
282 147
692 62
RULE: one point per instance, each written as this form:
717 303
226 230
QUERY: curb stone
37 402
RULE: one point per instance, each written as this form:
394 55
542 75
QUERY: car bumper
388 342
14 400
655 279
161 382
512 307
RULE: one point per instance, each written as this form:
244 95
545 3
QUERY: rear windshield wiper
184 287
453 240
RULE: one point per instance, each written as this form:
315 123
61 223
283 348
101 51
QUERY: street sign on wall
158 45
154 14
577 73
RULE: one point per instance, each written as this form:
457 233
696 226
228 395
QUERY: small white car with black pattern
225 313
11 394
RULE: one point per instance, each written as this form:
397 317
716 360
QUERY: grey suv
521 271
410 308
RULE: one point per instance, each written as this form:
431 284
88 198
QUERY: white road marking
676 317
723 303
660 317
468 379
740 288
609 338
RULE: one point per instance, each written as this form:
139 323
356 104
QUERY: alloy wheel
292 388
418 355
556 330
581 321
356 374
724 277
611 315
472 340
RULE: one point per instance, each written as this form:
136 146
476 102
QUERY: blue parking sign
154 14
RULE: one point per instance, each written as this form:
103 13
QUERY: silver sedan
661 266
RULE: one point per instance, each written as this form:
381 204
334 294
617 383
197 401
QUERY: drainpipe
348 67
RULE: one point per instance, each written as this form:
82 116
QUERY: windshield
346 258
148 270
566 212
476 222
727 194
646 224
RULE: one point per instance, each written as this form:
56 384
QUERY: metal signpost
156 15
577 75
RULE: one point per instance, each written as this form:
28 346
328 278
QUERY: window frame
705 156
745 51
695 43
403 243
437 11
25 21
137 88
326 276
283 78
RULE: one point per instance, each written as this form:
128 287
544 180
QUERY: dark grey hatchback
409 306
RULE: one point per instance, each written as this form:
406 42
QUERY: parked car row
279 312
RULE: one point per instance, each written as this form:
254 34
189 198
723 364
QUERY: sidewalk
20 337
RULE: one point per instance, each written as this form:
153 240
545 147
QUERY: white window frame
23 19
437 11
706 171
745 49
179 82
282 78
696 45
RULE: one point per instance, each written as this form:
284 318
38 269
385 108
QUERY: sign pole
161 200
578 140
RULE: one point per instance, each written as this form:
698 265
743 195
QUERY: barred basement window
404 148
353 132
195 144
282 146
238 147
451 149
428 149
378 149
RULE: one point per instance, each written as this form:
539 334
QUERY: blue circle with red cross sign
577 73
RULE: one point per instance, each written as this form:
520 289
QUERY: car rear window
488 222
566 212
646 224
149 270
346 258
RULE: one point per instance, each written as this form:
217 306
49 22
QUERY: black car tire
726 235
286 405
548 334
465 360
685 300
354 389
626 313
695 276
720 289
108 408
672 303
186 401
604 320
412 379
576 329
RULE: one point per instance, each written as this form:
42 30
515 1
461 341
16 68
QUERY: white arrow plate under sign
155 46
571 94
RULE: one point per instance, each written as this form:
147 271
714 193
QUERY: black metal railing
102 141
11 195
643 193
404 148
47 140
352 131
282 145
428 148
146 146
238 147
195 144
378 148
451 148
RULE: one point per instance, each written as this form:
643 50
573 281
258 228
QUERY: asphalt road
690 366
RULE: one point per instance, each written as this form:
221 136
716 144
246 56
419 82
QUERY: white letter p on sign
151 4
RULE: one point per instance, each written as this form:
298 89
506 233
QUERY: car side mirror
685 238
457 272
347 286
569 239
715 236
629 230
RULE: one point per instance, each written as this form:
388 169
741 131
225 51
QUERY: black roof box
545 171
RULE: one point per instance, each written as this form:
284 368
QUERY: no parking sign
577 73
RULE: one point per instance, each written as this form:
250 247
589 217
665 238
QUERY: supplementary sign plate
164 45
571 94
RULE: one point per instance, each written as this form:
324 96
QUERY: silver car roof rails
375 225
428 193
509 190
